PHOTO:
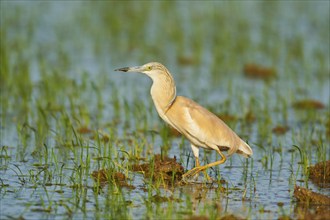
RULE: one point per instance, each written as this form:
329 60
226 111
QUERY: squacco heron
201 127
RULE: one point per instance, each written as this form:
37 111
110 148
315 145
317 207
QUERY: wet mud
327 127
163 168
226 217
309 197
280 129
161 199
187 60
311 205
228 118
320 174
256 71
94 135
250 117
106 176
197 217
308 104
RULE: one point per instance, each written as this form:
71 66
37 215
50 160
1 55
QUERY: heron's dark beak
131 69
124 69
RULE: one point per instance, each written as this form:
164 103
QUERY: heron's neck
163 93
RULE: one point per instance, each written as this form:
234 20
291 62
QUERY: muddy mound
320 174
255 71
108 176
161 168
311 205
307 196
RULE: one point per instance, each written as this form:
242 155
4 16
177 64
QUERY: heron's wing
199 124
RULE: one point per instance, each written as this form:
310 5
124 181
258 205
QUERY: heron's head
153 69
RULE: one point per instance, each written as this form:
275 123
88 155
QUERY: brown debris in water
311 205
186 60
250 117
280 130
308 104
95 135
256 71
231 217
197 217
203 217
84 130
163 168
227 117
100 135
327 126
160 199
307 196
319 213
320 173
105 176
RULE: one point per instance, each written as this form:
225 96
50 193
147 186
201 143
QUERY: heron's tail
245 150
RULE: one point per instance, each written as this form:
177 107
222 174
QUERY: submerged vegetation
79 140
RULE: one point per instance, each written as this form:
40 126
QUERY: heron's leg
197 162
198 169
195 151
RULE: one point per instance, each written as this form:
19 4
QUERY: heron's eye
149 68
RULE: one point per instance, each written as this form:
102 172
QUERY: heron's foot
208 178
191 173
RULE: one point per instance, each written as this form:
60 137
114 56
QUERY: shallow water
57 77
